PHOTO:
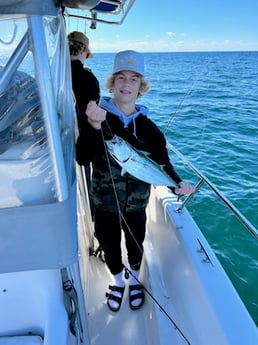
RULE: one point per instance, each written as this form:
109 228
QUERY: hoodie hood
108 104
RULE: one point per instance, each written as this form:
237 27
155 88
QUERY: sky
179 25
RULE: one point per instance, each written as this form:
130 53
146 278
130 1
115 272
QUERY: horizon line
180 51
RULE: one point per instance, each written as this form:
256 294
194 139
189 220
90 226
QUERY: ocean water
207 105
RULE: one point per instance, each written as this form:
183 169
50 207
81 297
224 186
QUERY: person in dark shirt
120 199
85 86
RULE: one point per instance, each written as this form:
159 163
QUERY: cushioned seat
104 7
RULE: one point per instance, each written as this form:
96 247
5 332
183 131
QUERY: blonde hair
144 87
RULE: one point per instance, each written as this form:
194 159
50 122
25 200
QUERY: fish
137 163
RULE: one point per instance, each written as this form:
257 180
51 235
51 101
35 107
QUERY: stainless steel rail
48 103
12 64
120 21
205 180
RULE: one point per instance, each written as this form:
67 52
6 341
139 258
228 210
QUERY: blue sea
207 105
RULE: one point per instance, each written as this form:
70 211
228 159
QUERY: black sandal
111 297
135 296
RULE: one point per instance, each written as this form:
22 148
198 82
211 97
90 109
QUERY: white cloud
171 45
170 33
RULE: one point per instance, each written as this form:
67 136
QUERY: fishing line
114 187
121 217
110 171
129 272
190 88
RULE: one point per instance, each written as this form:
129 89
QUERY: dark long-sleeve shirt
85 88
132 193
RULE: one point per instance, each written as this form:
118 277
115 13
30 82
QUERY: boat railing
204 180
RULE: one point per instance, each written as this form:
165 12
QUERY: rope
72 307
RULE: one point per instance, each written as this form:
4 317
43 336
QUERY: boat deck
183 281
126 326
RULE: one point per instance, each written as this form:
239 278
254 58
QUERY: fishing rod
190 88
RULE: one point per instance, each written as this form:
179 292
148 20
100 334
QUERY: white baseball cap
129 60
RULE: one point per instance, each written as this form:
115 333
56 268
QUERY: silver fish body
137 163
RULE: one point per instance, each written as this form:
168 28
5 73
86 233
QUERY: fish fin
123 171
145 153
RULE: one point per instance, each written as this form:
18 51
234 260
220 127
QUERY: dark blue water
207 103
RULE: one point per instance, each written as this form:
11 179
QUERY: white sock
119 281
132 280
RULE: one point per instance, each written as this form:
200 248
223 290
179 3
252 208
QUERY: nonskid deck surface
125 327
146 326
106 327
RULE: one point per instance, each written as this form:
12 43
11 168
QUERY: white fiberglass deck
184 303
123 327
